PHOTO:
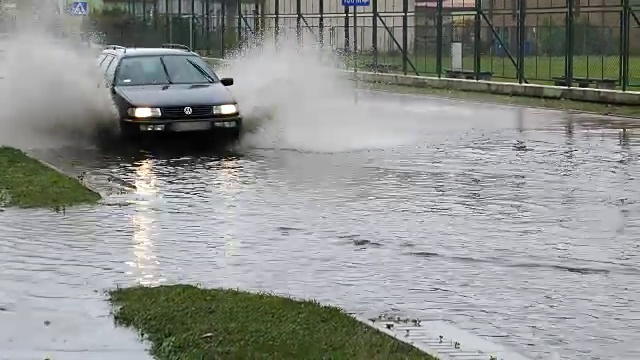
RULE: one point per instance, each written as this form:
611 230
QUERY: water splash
49 92
295 97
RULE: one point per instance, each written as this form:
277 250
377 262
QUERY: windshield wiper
166 72
202 71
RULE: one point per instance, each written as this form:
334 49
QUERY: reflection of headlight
144 112
227 109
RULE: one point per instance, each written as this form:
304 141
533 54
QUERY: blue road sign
356 2
79 8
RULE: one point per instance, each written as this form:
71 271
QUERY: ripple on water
512 226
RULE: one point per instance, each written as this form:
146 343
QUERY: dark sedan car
168 89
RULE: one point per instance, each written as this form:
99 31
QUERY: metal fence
562 42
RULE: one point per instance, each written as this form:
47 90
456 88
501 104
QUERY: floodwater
516 224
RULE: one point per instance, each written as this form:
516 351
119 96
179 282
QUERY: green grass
537 69
186 322
604 109
26 183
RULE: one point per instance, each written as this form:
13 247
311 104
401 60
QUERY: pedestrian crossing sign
80 8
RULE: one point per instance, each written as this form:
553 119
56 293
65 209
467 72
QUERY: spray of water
49 94
295 97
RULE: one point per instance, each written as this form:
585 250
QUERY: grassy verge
537 69
605 109
185 322
25 182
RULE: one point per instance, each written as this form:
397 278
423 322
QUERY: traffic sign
79 8
356 2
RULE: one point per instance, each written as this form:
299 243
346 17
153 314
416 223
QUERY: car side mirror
226 81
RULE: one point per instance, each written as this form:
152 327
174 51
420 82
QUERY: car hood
176 95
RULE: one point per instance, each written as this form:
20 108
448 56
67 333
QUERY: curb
440 339
603 96
505 104
79 178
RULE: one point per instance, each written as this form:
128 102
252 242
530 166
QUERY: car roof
136 51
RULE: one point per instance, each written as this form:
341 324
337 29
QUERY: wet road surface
516 224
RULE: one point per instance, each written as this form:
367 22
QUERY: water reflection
569 130
624 138
228 186
520 119
145 263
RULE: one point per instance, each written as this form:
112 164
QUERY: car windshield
166 69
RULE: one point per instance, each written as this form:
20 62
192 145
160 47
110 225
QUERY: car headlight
227 109
144 112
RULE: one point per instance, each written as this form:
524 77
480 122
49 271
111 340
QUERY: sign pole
354 55
355 29
355 50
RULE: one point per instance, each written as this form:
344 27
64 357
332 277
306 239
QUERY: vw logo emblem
188 110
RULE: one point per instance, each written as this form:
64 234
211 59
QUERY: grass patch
186 322
537 69
26 183
559 104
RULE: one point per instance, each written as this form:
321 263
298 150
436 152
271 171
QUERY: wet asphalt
516 224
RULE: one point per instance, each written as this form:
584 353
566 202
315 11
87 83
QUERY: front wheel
128 131
234 134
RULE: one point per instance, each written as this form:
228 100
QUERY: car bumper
185 125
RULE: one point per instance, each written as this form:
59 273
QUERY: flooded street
516 224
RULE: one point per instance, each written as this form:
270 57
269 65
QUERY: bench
586 82
468 74
383 68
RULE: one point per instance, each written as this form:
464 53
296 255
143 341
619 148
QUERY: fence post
192 26
223 28
439 34
569 44
522 31
239 20
263 20
625 49
299 21
477 29
405 35
374 33
256 17
321 23
276 26
167 19
155 16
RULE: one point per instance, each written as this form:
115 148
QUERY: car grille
178 112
